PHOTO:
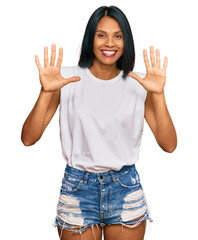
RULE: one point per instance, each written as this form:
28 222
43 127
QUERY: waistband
100 175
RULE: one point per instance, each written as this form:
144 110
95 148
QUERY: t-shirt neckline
103 80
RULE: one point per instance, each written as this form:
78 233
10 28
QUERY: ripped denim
112 197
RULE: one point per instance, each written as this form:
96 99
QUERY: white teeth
109 52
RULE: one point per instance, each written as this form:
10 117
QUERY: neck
104 72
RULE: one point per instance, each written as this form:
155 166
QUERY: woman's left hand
155 78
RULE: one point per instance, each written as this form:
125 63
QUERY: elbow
27 138
169 148
27 141
173 146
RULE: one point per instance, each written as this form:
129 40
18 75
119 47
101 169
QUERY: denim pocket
71 183
130 179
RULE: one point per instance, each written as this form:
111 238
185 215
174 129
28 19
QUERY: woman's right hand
50 77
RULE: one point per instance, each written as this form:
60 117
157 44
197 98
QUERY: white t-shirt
101 121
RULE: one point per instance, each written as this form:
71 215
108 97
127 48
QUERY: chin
108 62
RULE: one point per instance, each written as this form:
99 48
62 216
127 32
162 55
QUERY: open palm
155 78
50 77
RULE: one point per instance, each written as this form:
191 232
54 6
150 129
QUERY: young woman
102 111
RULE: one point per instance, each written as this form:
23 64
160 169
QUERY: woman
102 110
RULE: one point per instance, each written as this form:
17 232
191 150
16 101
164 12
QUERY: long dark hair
127 60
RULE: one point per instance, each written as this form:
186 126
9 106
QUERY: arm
49 97
159 121
40 116
156 111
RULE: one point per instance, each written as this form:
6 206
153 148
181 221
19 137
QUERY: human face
108 44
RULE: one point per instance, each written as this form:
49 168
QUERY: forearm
166 134
33 127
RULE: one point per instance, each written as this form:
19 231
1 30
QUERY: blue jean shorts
112 197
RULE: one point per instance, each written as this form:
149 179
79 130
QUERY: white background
30 177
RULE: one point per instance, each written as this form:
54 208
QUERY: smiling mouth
109 53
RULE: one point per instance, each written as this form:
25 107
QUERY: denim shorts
111 197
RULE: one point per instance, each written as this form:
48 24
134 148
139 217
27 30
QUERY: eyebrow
105 32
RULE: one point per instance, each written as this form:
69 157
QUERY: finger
69 80
152 56
60 57
38 62
73 79
158 58
165 64
146 61
136 77
46 63
53 55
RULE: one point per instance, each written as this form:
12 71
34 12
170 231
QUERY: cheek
96 47
97 52
121 48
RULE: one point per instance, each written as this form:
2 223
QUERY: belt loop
86 177
114 180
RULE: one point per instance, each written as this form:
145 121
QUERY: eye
100 35
118 36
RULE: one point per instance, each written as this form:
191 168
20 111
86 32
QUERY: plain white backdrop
30 177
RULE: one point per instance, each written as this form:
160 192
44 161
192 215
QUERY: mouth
109 53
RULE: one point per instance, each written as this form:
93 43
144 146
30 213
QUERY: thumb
136 77
69 80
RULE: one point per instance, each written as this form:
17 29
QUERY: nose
109 42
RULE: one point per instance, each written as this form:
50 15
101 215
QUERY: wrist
157 95
158 99
45 97
45 93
